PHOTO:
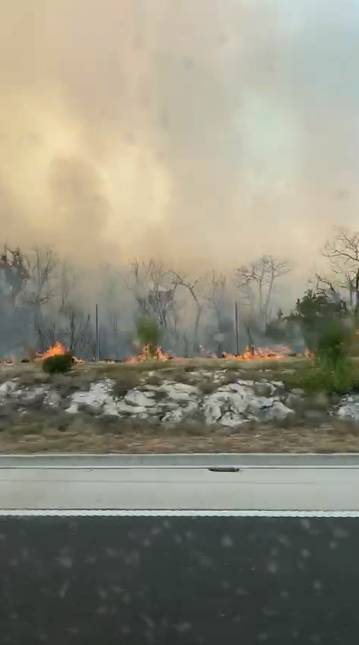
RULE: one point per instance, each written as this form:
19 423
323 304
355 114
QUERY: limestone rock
52 399
139 398
98 398
349 408
264 389
7 388
181 392
278 412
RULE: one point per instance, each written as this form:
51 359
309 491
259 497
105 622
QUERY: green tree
314 312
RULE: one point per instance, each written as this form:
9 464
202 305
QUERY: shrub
148 333
333 346
319 379
58 364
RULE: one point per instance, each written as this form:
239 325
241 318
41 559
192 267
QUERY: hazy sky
199 130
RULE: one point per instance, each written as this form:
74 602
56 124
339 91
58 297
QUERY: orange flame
147 355
56 350
260 353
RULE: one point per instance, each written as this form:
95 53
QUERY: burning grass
261 354
149 354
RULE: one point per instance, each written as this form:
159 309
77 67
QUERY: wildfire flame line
259 353
148 354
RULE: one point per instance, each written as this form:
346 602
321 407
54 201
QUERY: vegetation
58 364
149 334
332 369
333 345
314 313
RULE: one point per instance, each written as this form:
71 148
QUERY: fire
56 350
147 355
260 353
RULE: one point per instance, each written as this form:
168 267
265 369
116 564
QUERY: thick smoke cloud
202 132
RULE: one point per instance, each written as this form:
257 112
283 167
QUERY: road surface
293 484
87 556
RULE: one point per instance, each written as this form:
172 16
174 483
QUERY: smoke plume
202 132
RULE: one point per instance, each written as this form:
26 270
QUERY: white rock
30 394
173 416
278 412
178 413
233 387
138 398
151 388
72 409
246 383
237 403
226 400
234 395
260 404
7 388
212 410
109 408
180 392
350 408
264 388
52 399
98 398
232 420
124 408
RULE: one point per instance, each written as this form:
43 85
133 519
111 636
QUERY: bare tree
256 282
42 267
59 315
342 251
76 330
66 287
216 295
14 273
220 308
154 291
192 285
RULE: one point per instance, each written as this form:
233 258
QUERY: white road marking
173 513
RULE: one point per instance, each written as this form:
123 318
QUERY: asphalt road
178 580
73 572
277 487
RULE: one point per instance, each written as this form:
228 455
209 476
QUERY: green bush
58 364
332 370
149 333
333 345
319 379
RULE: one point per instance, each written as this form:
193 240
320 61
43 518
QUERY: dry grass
136 438
91 370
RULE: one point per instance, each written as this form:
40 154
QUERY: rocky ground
193 406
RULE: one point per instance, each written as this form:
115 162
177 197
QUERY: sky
204 133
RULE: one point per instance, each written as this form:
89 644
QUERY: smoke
204 133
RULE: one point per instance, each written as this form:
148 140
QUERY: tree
14 274
42 267
216 296
192 286
154 291
220 305
276 328
342 251
256 282
313 312
76 330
